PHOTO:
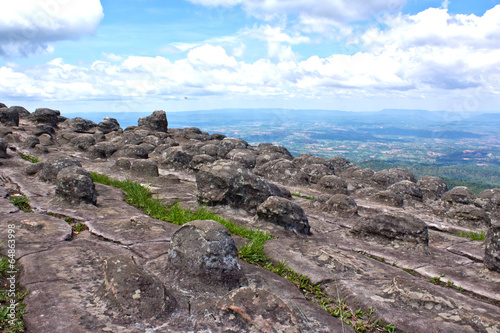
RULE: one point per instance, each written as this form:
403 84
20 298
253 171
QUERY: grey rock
176 158
209 149
153 140
45 115
53 165
388 177
156 122
216 136
81 125
3 105
108 125
34 168
169 143
228 144
22 112
44 129
283 171
4 131
284 213
432 187
203 256
264 158
340 164
489 199
123 163
3 148
133 292
31 142
459 195
84 141
147 147
267 148
492 247
407 189
76 187
199 161
132 151
228 182
246 157
341 205
131 138
144 168
9 117
470 215
316 171
399 226
103 150
333 184
194 133
389 198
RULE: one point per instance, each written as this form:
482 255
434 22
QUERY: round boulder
284 213
342 205
199 161
84 141
459 195
388 177
76 187
432 187
53 165
81 125
333 184
340 164
9 117
316 171
244 156
144 168
492 245
156 122
489 199
203 256
388 198
47 116
102 150
108 125
132 151
176 158
283 171
469 216
407 189
21 111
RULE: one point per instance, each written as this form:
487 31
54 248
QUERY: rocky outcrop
459 195
46 116
75 185
3 148
386 178
156 122
282 171
9 117
108 125
285 213
432 187
492 244
53 165
333 184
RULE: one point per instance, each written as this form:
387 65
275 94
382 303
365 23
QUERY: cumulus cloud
30 26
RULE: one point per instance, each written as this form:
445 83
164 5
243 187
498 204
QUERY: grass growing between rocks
29 158
300 195
22 202
252 252
478 236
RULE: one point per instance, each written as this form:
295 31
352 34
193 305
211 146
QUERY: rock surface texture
363 239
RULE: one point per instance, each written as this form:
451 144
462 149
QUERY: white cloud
29 26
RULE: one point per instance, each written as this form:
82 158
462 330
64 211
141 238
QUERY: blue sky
353 55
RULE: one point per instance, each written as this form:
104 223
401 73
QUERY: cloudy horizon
142 55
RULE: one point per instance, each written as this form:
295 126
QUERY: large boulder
21 111
46 116
394 226
9 117
156 122
53 165
84 141
132 151
268 148
144 168
76 186
3 148
81 125
228 182
108 125
316 171
340 164
44 129
469 216
341 205
176 158
492 247
407 189
283 171
489 199
201 160
432 187
459 195
388 177
103 150
246 157
203 256
389 198
333 184
284 213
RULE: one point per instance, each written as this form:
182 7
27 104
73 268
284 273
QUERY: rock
388 198
333 184
316 171
123 163
267 148
44 129
176 158
268 157
227 182
209 149
108 125
46 116
133 292
156 122
144 168
283 171
386 178
46 140
53 165
9 117
216 136
22 112
256 310
284 213
3 148
130 138
199 161
340 164
31 142
103 150
147 147
132 151
34 168
472 216
169 143
4 131
492 247
3 105
246 157
399 226
341 205
228 144
459 195
40 150
432 187
153 140
203 256
407 189
76 187
304 160
489 199
84 141
99 136
81 125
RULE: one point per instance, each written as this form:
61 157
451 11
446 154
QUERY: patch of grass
478 236
436 279
22 202
303 196
8 323
29 158
409 271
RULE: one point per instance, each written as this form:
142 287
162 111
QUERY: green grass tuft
22 202
303 196
478 236
29 158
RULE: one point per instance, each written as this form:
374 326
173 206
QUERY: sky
178 55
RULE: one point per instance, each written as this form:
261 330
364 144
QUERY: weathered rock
130 138
203 256
388 198
489 199
22 112
84 141
153 140
147 147
74 169
304 160
44 129
3 148
53 165
208 149
341 205
133 292
9 117
388 177
432 187
340 164
4 131
40 150
283 171
103 150
459 195
132 151
199 161
156 122
256 310
492 247
45 115
216 136
108 125
123 163
34 168
76 187
267 148
268 157
407 189
399 226
169 143
228 144
81 125
3 105
46 140
177 158
194 133
144 168
246 157
284 213
470 215
316 171
227 182
31 142
333 184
